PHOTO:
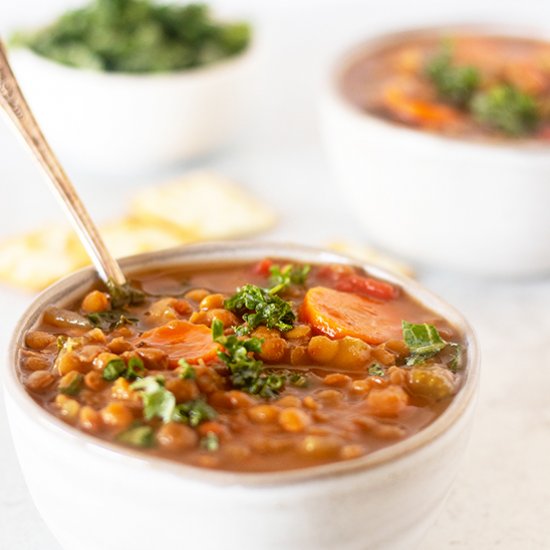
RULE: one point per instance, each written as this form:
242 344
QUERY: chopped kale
376 370
455 84
282 277
247 372
507 109
259 306
137 436
137 36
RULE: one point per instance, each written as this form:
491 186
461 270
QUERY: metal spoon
15 106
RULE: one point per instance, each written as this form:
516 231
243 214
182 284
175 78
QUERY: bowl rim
225 252
341 62
226 63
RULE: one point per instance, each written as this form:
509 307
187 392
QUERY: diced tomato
368 286
345 279
262 267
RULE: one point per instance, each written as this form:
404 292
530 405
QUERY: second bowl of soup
439 139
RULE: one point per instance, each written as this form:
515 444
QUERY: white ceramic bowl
124 123
472 207
97 496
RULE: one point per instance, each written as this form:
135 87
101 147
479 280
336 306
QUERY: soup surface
470 86
253 367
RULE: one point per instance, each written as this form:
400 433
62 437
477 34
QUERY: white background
502 496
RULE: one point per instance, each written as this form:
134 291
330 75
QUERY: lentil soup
472 86
254 367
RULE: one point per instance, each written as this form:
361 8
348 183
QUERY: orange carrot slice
182 340
415 111
340 314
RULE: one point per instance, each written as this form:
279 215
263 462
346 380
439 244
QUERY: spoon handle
14 104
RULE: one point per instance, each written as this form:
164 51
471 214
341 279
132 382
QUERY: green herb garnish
138 436
454 84
136 368
454 363
506 108
158 402
247 372
424 341
124 295
210 442
137 36
242 330
376 370
117 368
259 306
114 369
282 277
186 371
111 319
194 412
298 380
71 384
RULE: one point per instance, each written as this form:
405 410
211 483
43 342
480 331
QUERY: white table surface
501 498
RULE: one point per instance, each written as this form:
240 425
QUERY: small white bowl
125 123
96 495
469 206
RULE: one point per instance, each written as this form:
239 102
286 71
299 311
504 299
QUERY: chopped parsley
194 412
376 370
280 278
116 368
124 295
137 436
71 384
258 306
110 319
186 371
242 330
297 379
136 368
247 372
424 342
210 442
121 297
158 402
455 84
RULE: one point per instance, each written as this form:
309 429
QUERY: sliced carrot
182 340
416 111
340 314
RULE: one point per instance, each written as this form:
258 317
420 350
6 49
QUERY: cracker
205 205
130 236
38 259
35 260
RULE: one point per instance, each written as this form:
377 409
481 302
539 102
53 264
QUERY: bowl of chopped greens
440 140
126 85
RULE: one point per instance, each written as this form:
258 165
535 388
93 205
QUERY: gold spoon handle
14 104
